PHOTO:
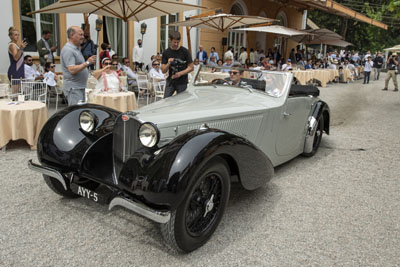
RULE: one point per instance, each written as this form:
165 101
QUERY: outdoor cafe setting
26 103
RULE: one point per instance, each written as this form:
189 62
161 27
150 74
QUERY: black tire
197 217
317 137
58 188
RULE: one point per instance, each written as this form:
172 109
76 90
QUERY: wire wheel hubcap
204 205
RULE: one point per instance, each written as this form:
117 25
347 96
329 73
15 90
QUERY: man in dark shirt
378 62
178 61
391 64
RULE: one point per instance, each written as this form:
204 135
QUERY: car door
292 125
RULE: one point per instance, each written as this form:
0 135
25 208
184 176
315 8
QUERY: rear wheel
195 220
58 188
317 137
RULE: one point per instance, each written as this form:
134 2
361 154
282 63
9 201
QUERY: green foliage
365 36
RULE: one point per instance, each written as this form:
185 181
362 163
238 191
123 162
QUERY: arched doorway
237 39
279 41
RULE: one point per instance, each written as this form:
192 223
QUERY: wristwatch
87 62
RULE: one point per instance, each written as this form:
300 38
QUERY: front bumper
137 207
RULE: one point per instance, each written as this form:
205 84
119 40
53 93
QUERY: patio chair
35 91
143 88
159 88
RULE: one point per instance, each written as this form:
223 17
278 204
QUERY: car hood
198 103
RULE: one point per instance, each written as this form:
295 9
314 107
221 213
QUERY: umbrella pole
188 40
247 44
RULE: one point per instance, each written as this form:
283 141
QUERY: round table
21 121
123 101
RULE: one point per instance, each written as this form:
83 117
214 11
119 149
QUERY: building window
33 25
116 31
164 30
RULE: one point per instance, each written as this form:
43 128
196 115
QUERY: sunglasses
233 72
156 64
114 64
52 66
106 63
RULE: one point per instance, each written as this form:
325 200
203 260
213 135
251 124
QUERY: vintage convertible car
173 161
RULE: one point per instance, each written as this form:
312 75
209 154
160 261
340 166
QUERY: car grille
125 140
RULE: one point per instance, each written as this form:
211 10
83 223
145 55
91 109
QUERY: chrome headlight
149 134
87 121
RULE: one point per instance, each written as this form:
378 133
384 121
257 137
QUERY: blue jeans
366 76
171 87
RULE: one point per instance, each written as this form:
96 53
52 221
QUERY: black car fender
322 108
165 176
63 144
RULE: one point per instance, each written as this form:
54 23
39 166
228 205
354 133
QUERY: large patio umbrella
278 30
395 48
222 22
319 36
135 10
334 42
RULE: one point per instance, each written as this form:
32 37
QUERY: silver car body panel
277 125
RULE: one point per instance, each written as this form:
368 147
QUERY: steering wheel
218 81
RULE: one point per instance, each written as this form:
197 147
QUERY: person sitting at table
156 73
116 58
49 77
30 73
212 62
115 67
132 76
309 65
288 65
333 66
107 78
228 63
220 63
317 64
325 64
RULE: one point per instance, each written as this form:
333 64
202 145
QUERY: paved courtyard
339 208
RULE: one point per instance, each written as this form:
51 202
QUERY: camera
177 65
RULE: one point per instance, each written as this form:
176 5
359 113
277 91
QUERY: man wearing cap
378 62
288 65
391 63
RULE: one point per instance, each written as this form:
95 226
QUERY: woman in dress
16 54
107 78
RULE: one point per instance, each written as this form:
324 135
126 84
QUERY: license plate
87 193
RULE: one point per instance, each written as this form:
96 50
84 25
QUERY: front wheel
197 217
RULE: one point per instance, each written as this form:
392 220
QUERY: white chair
159 88
143 88
35 91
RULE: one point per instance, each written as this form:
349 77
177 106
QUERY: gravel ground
339 208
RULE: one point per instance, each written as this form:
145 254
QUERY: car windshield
272 83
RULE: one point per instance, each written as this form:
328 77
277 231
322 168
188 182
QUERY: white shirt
157 74
137 54
243 57
228 54
286 67
49 78
31 73
113 83
332 66
252 57
130 73
368 65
